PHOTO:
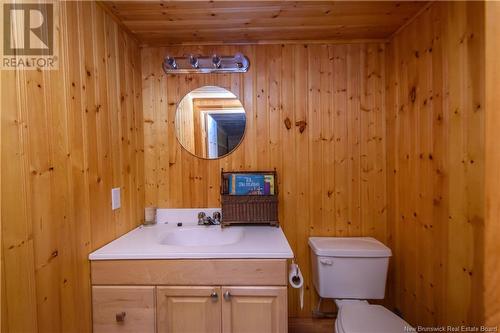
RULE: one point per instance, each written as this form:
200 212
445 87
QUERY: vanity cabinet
181 296
254 309
123 309
188 309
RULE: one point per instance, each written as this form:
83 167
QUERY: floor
310 325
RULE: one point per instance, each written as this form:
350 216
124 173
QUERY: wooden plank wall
435 161
492 165
68 137
332 174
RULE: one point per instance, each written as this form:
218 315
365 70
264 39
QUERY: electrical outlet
115 198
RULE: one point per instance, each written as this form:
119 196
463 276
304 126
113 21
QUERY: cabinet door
123 309
254 310
188 309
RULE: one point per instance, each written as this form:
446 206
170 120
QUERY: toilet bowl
352 270
362 317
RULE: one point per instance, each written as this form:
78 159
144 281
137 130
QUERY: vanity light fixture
193 60
170 62
206 64
216 61
241 60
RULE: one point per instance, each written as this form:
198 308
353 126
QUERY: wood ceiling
158 23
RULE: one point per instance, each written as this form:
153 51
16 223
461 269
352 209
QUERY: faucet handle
201 217
217 216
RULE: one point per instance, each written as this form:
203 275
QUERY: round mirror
210 122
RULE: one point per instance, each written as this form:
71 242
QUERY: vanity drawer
123 309
256 272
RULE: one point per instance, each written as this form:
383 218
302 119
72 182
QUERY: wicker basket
248 209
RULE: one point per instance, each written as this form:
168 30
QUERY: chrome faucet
203 219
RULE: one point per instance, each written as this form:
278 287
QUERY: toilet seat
362 317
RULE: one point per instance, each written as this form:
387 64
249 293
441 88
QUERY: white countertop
145 242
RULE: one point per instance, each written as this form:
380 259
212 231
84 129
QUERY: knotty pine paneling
332 174
492 165
157 23
68 137
435 177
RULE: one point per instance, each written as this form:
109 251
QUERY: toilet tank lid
348 247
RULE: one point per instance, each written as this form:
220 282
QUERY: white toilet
352 270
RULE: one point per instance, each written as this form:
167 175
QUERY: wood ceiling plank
270 12
178 22
282 34
241 23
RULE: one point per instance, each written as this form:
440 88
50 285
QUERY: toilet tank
349 267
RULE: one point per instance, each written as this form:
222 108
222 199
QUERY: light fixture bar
206 64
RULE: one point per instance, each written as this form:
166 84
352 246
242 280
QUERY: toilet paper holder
296 280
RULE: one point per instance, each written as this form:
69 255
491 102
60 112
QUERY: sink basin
202 236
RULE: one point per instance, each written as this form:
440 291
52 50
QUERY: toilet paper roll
297 281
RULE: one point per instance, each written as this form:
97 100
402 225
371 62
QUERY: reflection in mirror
210 122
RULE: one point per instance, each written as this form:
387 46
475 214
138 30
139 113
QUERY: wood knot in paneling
413 94
301 125
288 123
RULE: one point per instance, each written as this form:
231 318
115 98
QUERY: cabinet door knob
120 317
227 296
214 296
